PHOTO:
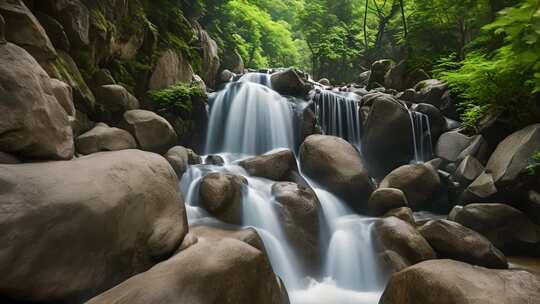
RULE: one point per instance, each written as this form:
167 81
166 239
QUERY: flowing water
338 115
248 118
421 136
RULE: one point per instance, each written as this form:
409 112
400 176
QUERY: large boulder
32 122
399 76
74 17
211 61
383 200
214 234
170 69
221 195
403 213
25 30
277 166
436 93
378 71
387 136
454 241
178 157
114 100
468 170
104 138
152 132
55 31
337 166
299 210
419 182
506 227
397 237
208 272
288 82
64 95
451 144
508 164
107 217
453 282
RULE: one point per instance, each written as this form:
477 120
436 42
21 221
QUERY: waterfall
249 118
423 146
338 115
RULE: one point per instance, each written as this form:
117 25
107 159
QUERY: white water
421 137
249 118
338 115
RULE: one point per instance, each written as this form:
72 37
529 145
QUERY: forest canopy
487 50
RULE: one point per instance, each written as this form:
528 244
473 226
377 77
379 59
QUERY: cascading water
249 118
423 146
338 114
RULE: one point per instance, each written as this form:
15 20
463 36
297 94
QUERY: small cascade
423 146
338 115
260 78
250 118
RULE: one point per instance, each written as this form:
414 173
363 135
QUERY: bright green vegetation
535 163
503 70
178 97
487 50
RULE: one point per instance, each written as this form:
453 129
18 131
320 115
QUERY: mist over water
248 118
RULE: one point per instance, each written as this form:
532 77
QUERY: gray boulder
55 31
221 195
507 228
278 166
337 166
451 144
454 241
383 200
419 182
289 82
64 95
468 170
387 138
104 138
74 17
397 237
378 71
170 69
208 272
453 282
178 158
107 217
152 132
436 93
114 101
25 30
299 210
32 122
513 155
403 213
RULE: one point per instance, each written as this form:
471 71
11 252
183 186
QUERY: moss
178 98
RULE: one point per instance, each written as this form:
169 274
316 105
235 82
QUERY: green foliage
177 98
506 77
535 163
260 30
